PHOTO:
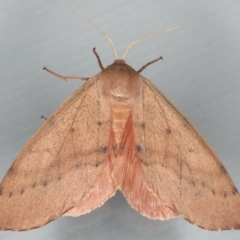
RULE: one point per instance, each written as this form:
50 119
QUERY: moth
118 132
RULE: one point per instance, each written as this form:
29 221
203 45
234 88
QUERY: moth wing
134 187
180 167
61 166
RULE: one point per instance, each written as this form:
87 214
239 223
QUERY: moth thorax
120 113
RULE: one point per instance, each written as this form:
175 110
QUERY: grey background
200 74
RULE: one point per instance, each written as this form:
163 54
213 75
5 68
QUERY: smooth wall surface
200 73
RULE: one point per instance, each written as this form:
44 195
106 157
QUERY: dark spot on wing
33 185
225 195
45 183
99 163
22 191
213 191
72 129
223 169
1 191
193 183
235 191
11 170
76 166
102 150
203 184
99 123
139 148
143 125
168 131
10 194
143 162
59 177
190 149
92 163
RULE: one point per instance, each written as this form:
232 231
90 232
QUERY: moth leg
63 77
149 63
43 117
98 58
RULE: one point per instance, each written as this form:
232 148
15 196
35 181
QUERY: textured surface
118 132
200 74
60 165
181 167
